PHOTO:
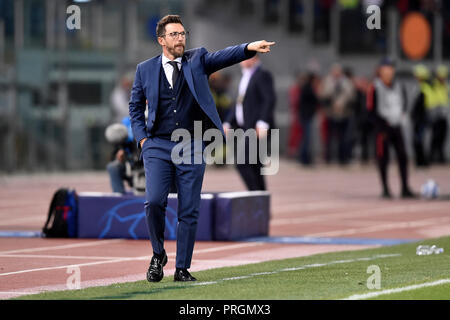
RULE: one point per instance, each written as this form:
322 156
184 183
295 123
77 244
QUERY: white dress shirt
119 102
247 74
168 69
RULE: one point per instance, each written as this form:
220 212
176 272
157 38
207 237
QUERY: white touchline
236 278
46 256
18 292
308 266
204 283
115 260
64 246
41 256
396 290
67 266
18 220
262 273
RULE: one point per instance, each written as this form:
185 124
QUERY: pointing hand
262 46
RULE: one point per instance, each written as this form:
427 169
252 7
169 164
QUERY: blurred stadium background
56 84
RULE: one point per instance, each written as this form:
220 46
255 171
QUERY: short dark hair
387 61
161 26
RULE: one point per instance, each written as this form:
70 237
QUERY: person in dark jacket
438 116
419 115
307 109
254 109
386 101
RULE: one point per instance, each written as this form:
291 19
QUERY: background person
308 105
119 99
254 109
419 114
295 128
337 92
119 168
386 100
438 116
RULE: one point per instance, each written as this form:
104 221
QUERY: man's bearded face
174 45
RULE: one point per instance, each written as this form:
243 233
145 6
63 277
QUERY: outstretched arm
215 61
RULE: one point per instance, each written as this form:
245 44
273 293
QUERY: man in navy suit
254 109
175 84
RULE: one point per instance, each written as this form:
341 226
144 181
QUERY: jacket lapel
187 71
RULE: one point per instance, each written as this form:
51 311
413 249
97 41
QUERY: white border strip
308 266
64 246
242 194
122 259
100 194
397 290
207 196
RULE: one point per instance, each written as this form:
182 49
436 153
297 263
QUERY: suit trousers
159 175
249 170
391 135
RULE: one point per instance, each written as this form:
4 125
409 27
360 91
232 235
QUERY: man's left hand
262 46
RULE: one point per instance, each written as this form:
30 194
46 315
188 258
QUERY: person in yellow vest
349 4
437 115
419 114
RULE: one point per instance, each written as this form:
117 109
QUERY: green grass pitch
337 275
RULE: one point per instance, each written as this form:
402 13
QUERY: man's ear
160 41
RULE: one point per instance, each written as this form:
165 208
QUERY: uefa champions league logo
120 214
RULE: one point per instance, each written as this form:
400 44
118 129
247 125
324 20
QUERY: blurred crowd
333 117
337 103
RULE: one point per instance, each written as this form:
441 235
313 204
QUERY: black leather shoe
386 194
408 194
183 275
155 270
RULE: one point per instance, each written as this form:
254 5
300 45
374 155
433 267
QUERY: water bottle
424 250
436 250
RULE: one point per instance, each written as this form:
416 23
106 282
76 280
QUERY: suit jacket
259 101
197 65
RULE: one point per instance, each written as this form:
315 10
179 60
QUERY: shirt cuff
262 125
249 54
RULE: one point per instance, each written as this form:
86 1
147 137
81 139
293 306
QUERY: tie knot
174 64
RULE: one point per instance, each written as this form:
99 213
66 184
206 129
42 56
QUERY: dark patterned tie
175 73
